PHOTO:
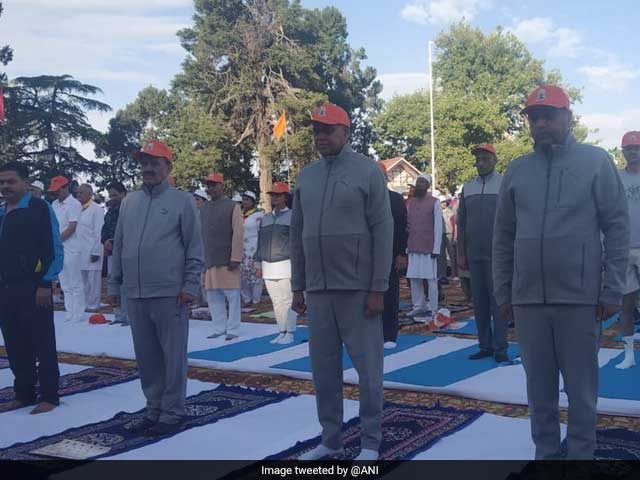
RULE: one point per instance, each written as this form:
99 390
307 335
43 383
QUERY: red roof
393 162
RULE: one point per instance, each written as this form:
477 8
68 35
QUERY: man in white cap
425 225
37 189
89 231
201 197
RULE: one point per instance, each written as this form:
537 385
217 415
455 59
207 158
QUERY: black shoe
480 354
161 428
501 357
142 426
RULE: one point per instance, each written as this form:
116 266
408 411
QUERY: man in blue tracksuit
341 248
31 256
554 205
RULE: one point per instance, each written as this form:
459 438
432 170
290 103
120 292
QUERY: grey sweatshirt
551 210
157 249
341 227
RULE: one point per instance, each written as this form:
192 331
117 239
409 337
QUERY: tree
6 53
250 60
481 84
43 114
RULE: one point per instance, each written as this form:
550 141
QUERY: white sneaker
390 345
277 339
286 339
629 355
319 452
416 311
367 455
426 319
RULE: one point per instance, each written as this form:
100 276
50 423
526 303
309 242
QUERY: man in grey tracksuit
158 261
476 213
547 266
341 249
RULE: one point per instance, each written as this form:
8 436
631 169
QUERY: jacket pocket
564 266
344 195
527 281
345 262
570 190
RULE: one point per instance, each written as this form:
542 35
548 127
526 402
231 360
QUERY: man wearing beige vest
222 236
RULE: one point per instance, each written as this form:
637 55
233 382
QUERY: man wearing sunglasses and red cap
341 249
554 204
157 261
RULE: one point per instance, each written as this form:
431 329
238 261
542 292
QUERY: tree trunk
265 164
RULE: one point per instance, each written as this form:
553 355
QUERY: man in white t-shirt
630 178
68 210
89 230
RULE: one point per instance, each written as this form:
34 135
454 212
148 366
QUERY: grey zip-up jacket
551 210
476 214
273 237
157 249
341 227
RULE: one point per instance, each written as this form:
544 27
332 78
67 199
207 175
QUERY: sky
124 45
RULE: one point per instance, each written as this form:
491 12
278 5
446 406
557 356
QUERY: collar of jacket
346 149
488 176
568 143
155 190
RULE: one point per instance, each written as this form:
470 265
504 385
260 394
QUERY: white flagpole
433 141
286 153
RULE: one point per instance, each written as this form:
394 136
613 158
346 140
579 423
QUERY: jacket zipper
324 194
144 227
544 222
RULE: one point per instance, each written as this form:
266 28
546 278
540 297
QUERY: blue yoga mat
249 348
469 329
447 369
621 384
404 343
610 322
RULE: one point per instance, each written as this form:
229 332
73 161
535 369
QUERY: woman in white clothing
273 253
251 284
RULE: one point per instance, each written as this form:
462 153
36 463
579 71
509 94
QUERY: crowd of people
553 244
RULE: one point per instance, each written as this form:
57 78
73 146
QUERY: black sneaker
480 354
501 357
161 428
142 426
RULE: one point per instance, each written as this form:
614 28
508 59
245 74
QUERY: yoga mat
249 348
4 362
79 382
202 409
404 342
620 384
470 327
446 369
407 431
270 314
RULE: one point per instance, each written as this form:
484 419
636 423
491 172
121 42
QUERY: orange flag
280 127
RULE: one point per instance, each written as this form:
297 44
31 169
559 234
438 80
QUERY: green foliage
481 84
6 53
44 114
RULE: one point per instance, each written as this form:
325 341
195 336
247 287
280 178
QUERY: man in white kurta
89 229
424 218
68 210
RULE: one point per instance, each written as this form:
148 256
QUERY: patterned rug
618 444
407 431
79 382
202 409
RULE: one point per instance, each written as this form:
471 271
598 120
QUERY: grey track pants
492 329
160 329
337 317
553 340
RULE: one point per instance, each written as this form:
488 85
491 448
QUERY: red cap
631 138
97 319
155 148
214 178
279 187
57 183
330 114
548 95
487 147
